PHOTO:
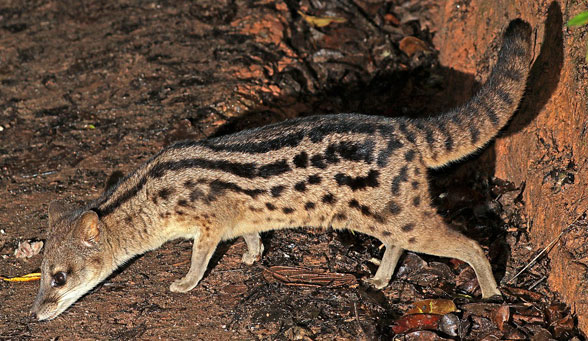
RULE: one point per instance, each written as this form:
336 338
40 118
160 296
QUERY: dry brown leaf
410 45
28 249
321 21
433 306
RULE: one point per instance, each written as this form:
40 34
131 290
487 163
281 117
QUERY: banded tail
462 131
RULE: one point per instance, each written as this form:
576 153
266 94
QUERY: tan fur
364 173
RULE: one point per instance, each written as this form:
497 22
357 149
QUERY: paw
251 257
377 283
182 285
496 298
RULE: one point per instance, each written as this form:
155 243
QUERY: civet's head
76 258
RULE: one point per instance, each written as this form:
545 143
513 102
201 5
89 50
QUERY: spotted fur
364 173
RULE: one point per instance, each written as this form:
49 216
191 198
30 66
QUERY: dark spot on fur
385 154
386 233
351 151
416 201
300 186
417 171
189 184
196 194
309 206
340 216
301 160
398 180
407 227
255 209
365 210
128 219
328 198
270 206
371 228
331 154
414 184
180 212
393 208
412 240
318 161
360 182
426 128
407 134
409 155
314 179
287 210
277 191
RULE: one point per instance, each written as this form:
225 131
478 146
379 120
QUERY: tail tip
520 29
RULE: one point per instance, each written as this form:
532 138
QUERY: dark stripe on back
218 144
317 134
244 170
218 187
124 197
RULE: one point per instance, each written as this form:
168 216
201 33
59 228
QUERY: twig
537 283
546 249
359 323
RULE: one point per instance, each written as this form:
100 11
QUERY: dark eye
59 279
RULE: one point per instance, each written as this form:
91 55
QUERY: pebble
1 128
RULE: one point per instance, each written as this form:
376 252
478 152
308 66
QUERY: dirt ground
88 88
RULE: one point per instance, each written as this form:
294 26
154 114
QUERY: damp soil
89 88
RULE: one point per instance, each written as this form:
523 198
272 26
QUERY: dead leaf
563 326
411 45
523 294
321 21
501 316
28 249
391 18
423 335
433 306
416 322
449 324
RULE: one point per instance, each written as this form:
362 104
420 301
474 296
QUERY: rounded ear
89 227
57 210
